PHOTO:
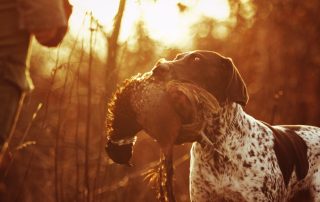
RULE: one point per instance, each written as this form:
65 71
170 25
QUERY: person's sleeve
38 15
41 14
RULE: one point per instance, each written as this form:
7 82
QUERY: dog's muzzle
162 71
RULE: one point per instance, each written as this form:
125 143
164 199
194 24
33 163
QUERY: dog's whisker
206 139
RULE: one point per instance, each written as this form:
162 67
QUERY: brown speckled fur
246 168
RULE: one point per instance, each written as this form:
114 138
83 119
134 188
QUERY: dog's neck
221 128
226 132
229 117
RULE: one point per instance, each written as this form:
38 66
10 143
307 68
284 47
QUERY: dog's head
165 102
210 70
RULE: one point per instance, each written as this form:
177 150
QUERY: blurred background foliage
274 44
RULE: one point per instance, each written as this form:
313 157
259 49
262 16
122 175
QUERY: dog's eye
196 59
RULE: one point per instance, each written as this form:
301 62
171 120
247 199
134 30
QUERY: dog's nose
161 70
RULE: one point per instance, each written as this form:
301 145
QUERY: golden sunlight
168 22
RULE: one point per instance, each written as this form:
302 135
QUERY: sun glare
217 9
168 22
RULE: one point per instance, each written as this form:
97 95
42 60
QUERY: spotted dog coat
242 164
198 97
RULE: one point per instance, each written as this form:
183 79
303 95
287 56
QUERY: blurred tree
112 50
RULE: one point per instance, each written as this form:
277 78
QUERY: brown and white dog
198 97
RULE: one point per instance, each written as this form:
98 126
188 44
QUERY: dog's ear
236 90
